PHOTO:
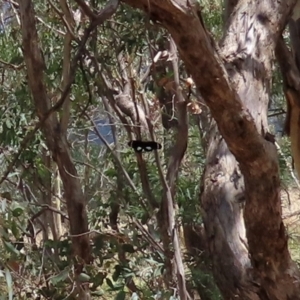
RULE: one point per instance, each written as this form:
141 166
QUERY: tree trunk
56 142
242 164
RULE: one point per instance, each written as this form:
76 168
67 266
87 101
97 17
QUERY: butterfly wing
147 146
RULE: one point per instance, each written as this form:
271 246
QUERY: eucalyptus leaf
62 276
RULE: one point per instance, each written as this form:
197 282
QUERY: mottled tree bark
248 248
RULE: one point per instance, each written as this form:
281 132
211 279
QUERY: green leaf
17 59
9 284
98 279
97 293
62 276
134 296
109 283
82 277
111 173
15 229
117 272
121 296
17 209
8 123
158 271
10 248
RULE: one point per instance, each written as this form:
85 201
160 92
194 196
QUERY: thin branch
64 20
15 67
66 107
46 207
50 27
103 15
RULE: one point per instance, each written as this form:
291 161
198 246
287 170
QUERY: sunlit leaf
9 284
134 296
8 123
10 248
84 277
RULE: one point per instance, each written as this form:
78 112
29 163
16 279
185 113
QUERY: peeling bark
126 99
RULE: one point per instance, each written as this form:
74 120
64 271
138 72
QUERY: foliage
128 259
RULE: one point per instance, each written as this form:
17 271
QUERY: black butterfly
148 146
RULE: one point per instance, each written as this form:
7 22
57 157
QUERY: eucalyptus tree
241 186
243 234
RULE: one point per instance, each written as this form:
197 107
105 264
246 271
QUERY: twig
15 67
46 207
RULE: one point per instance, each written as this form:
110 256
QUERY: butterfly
147 146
